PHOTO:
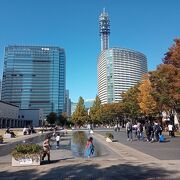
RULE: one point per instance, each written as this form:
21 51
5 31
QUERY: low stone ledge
26 161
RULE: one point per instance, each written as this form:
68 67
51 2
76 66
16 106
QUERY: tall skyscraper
67 103
104 29
34 77
118 68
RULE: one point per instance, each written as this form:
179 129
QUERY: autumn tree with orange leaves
165 82
147 104
173 55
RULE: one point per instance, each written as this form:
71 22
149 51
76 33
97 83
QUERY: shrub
109 135
22 151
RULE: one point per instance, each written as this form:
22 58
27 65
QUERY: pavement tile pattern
120 162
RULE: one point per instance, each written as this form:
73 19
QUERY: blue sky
142 25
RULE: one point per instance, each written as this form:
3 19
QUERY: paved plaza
118 160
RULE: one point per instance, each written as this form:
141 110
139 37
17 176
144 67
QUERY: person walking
170 129
57 141
157 130
140 131
46 148
89 148
148 129
129 131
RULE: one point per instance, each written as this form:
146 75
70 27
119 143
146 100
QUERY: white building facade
8 115
118 70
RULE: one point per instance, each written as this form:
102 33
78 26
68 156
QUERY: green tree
96 111
51 118
110 112
80 115
130 104
62 119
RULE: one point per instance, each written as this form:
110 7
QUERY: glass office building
118 70
34 77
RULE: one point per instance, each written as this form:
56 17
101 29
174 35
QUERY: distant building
9 115
34 77
13 117
67 104
88 103
118 68
104 30
73 107
34 117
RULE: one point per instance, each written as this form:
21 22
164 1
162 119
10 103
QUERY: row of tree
54 119
158 91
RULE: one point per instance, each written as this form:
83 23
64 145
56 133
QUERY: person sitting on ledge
8 131
24 131
12 134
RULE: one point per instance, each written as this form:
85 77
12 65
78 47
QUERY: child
89 147
57 141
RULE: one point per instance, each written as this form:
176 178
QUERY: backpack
161 138
129 127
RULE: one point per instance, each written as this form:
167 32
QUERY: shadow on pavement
45 162
92 171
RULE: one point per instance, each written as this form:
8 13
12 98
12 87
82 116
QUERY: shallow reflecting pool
78 144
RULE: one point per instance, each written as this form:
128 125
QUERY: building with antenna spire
104 29
118 68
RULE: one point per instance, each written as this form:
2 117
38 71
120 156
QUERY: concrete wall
8 111
34 115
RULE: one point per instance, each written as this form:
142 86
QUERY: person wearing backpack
157 130
129 131
148 130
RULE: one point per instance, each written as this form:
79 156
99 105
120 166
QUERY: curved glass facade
34 77
118 70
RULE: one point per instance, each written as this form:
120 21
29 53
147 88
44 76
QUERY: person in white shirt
24 131
170 129
57 140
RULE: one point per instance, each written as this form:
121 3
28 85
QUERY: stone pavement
167 150
118 162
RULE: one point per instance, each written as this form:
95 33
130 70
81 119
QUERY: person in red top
89 147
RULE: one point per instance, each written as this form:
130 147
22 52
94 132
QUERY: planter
108 140
27 161
26 155
109 137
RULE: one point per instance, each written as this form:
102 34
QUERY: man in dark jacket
148 129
